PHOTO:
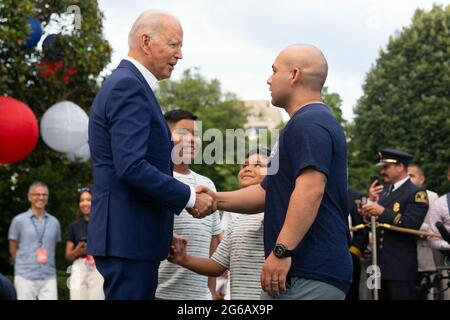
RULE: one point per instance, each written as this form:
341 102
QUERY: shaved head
310 61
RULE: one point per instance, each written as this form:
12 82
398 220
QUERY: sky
236 41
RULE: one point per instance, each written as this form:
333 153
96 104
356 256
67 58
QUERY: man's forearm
247 200
302 211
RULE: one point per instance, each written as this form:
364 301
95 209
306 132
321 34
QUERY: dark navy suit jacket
135 195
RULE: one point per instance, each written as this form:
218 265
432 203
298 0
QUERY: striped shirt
242 252
178 283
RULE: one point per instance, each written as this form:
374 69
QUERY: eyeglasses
84 189
37 195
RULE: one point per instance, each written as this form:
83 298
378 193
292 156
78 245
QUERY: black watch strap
280 251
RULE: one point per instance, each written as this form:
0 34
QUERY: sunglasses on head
85 189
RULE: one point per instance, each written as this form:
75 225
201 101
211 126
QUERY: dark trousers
127 279
353 291
397 290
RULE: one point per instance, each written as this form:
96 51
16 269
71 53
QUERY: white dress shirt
398 184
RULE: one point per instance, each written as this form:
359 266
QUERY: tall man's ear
145 42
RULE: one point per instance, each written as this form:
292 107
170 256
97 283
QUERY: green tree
214 108
406 101
334 101
24 75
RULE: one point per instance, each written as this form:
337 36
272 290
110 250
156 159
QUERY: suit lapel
127 64
394 194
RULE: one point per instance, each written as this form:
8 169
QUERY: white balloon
64 126
81 154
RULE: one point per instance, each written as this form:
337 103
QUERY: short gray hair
149 21
37 184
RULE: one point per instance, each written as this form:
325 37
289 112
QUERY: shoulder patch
421 197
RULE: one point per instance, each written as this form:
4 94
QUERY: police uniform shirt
406 206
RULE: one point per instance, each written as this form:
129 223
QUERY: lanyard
40 237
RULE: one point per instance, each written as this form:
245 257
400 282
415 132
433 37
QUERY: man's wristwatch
280 251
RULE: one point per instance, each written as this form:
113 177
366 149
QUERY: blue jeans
306 289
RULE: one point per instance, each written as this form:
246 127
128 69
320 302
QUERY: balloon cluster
52 63
64 128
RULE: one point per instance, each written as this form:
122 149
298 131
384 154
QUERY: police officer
402 204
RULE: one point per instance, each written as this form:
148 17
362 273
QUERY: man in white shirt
425 258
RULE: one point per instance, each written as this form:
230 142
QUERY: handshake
205 203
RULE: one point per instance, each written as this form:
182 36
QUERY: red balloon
18 130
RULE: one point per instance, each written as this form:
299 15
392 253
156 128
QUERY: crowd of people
152 228
33 236
407 262
226 241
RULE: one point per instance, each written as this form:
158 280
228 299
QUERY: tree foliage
24 75
406 101
214 108
334 101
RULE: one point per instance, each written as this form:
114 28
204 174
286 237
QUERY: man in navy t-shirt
312 142
306 236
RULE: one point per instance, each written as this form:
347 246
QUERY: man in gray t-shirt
32 240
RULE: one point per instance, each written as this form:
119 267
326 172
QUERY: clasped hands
371 209
205 202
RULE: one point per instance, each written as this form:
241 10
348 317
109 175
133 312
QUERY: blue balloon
35 34
50 49
49 42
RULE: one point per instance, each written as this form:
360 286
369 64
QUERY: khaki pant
85 283
36 289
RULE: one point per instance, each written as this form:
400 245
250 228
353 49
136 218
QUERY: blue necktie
389 190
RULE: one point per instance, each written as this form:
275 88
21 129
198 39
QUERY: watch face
279 251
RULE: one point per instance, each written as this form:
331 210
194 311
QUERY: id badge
90 262
41 255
